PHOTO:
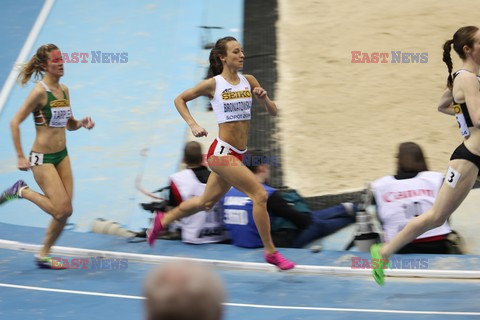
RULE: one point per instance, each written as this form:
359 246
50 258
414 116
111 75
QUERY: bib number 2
36 159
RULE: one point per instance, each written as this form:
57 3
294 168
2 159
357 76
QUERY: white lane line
26 49
453 313
241 265
244 305
87 293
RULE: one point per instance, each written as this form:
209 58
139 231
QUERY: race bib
61 112
36 159
452 177
222 149
462 124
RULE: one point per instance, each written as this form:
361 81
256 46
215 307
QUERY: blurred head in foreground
183 291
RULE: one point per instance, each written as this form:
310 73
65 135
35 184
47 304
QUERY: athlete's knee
260 197
63 212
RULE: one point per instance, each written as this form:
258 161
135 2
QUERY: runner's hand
198 131
23 164
88 123
260 93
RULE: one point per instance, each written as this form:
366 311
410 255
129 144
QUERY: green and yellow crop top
55 113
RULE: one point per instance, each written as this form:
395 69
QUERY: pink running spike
156 228
280 261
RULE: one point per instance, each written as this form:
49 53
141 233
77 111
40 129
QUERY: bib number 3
452 177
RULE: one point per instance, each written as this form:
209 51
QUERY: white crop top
232 102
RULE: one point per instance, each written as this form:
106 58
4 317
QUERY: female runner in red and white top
230 95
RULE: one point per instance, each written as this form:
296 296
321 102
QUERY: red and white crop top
232 102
